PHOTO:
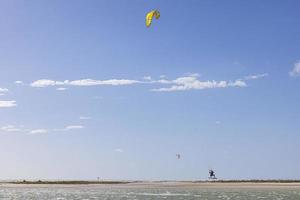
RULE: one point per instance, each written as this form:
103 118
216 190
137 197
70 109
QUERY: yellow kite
150 15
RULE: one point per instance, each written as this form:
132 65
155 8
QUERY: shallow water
107 193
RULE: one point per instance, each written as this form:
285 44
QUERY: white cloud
257 76
18 82
7 104
44 83
38 131
71 127
114 82
2 90
237 83
119 150
74 127
10 128
296 70
148 78
162 81
83 82
61 89
193 83
84 118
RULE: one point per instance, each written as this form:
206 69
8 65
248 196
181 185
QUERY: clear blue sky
100 95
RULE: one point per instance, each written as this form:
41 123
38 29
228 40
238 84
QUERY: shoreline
256 181
160 184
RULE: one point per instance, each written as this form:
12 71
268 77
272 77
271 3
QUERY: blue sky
88 91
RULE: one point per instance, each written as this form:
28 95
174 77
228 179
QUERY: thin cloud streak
8 104
83 82
19 129
3 90
61 89
10 128
257 76
191 81
38 131
18 82
70 127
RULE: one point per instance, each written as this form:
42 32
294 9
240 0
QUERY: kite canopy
150 15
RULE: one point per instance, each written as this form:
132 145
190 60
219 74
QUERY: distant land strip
66 182
75 182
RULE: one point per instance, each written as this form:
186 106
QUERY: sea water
106 193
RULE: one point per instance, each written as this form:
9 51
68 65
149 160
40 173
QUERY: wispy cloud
61 89
190 81
74 127
70 127
38 131
193 83
148 78
84 118
119 150
18 82
236 83
10 128
7 104
257 76
296 70
3 90
83 82
21 129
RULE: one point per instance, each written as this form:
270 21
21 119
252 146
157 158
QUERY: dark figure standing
212 174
